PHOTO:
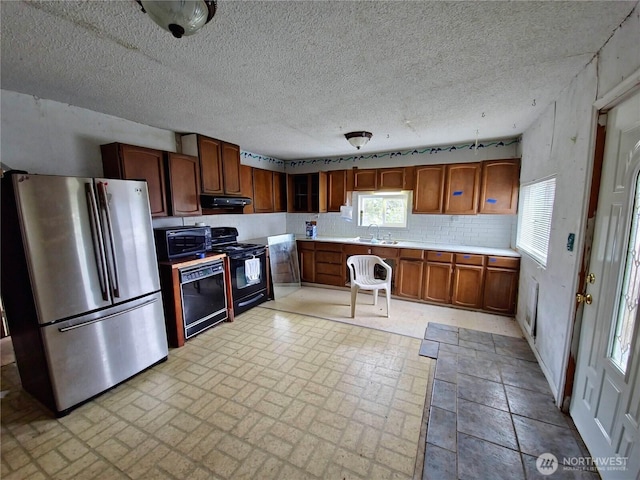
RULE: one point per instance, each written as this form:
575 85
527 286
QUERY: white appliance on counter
80 284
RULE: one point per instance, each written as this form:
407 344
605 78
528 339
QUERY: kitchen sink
374 241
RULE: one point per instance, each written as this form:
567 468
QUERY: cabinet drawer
503 262
350 249
325 279
328 257
329 247
384 252
306 245
444 257
328 269
411 253
469 259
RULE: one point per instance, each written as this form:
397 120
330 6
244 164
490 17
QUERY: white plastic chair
361 272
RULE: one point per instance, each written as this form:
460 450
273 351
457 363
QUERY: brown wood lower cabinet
329 266
473 281
409 278
437 282
467 286
306 254
500 289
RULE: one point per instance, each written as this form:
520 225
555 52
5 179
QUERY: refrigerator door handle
104 201
98 245
106 317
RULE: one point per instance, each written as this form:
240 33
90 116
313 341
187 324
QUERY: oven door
248 279
204 299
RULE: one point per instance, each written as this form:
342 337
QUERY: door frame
614 97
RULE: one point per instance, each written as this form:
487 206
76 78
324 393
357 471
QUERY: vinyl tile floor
288 395
492 415
270 396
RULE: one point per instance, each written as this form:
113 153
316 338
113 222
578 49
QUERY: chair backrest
362 266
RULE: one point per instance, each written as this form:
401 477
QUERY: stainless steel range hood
221 201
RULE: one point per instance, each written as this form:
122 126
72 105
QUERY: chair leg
375 297
354 294
388 290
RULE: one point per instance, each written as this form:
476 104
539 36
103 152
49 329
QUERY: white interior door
605 404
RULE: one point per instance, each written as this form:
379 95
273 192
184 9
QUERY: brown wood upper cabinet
129 162
263 190
219 164
307 192
462 185
183 172
365 179
336 189
246 187
499 186
400 178
279 192
428 189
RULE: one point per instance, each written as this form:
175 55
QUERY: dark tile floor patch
492 412
429 348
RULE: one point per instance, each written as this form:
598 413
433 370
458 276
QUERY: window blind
534 220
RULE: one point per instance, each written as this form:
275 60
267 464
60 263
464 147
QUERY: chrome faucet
377 237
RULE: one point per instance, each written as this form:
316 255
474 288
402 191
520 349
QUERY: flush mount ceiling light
181 18
358 139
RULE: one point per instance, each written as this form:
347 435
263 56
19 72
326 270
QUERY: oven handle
253 300
246 256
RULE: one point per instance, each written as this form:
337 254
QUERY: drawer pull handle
492 200
438 254
457 193
491 259
466 257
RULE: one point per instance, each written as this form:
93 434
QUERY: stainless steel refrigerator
80 284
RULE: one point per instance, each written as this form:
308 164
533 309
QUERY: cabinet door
462 188
210 153
231 169
307 265
499 186
365 179
129 162
467 286
428 189
391 179
262 190
437 282
279 192
246 186
336 189
184 184
500 287
409 278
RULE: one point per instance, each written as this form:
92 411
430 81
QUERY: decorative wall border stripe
429 150
262 158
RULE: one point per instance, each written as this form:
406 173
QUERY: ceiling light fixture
181 18
358 139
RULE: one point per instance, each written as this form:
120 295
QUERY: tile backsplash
474 230
497 231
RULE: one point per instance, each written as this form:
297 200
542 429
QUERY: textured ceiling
288 79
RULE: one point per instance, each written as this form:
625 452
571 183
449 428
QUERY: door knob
588 299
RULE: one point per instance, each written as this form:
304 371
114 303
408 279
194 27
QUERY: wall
560 143
47 137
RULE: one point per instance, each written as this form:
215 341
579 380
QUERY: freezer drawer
88 355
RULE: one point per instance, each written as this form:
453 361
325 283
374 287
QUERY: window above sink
383 209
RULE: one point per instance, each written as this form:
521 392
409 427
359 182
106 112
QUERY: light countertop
503 252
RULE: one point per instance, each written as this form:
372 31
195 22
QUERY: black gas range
247 265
